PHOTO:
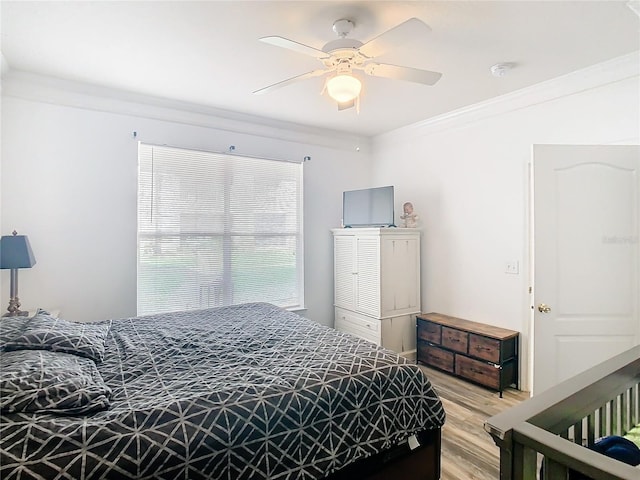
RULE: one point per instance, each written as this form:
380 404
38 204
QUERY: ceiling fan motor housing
342 43
343 50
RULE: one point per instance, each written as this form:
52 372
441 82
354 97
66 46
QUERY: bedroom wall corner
468 178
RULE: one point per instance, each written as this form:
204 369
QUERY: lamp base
17 313
14 308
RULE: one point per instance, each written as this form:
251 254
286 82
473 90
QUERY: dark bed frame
554 427
400 462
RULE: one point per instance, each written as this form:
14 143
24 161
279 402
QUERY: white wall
69 182
467 176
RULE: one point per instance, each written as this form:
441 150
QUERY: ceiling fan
343 56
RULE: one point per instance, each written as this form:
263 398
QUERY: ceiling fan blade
283 83
402 73
295 46
402 33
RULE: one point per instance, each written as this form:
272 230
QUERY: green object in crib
634 435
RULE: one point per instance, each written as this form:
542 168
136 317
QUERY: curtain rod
231 152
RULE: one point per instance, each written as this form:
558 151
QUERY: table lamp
15 253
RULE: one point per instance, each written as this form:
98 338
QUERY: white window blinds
216 229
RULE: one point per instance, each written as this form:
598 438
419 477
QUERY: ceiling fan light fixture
344 88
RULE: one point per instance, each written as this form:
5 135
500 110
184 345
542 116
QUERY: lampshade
15 252
344 88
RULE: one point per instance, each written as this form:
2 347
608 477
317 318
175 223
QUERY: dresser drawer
454 339
435 356
477 371
429 332
481 353
485 348
359 325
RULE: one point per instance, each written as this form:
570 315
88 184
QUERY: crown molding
634 6
615 70
39 88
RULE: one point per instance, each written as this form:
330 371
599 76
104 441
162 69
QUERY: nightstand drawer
483 373
454 339
429 332
485 348
436 357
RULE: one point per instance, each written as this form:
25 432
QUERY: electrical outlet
512 267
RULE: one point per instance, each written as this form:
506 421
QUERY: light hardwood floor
468 452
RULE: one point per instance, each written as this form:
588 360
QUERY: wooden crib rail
558 423
533 445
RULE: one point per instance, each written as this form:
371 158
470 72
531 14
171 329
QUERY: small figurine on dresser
409 218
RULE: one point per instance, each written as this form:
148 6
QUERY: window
216 229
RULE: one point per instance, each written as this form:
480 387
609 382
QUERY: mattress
247 391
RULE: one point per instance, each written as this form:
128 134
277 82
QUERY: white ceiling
208 52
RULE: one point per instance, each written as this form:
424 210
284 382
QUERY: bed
554 427
241 392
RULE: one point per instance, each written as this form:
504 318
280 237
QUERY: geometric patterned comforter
248 391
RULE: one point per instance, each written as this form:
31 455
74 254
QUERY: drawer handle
481 372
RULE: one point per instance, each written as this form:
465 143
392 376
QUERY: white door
368 275
586 257
400 275
344 271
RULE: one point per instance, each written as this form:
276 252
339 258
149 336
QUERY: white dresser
377 284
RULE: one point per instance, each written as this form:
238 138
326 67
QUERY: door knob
543 308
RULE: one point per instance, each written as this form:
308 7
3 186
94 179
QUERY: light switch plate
512 267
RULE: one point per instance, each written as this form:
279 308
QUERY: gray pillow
11 328
44 332
53 382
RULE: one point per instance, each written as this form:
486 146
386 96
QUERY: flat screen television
370 207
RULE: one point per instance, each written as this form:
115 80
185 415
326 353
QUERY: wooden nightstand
477 352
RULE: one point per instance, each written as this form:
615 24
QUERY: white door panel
586 262
345 270
600 347
368 276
